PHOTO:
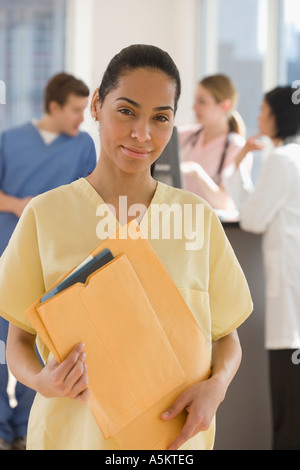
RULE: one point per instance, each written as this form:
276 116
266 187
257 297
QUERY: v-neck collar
36 130
97 200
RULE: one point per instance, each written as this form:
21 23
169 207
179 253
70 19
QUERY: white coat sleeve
238 183
269 195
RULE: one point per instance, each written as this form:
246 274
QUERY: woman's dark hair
285 112
135 57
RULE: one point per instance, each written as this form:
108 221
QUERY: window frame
207 62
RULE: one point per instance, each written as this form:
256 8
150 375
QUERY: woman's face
266 121
136 119
207 110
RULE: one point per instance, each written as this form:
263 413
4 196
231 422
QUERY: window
256 43
241 52
32 49
289 39
238 48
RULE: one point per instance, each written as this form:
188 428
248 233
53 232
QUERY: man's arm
13 204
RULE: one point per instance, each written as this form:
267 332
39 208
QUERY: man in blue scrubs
37 157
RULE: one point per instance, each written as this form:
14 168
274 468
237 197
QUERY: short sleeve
21 276
90 159
230 299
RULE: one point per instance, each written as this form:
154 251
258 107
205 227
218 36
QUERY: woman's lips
136 153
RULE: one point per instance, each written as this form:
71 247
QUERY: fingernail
166 414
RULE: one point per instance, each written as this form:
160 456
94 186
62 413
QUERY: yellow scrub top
60 228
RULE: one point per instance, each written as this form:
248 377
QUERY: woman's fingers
74 375
68 379
64 369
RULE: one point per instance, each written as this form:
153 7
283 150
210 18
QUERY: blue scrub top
29 166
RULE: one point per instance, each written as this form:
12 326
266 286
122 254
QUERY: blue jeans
13 421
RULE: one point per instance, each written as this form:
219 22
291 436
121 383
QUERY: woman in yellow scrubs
135 106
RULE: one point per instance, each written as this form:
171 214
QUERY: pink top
193 148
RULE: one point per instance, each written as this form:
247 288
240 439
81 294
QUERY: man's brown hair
61 86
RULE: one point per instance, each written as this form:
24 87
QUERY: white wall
98 29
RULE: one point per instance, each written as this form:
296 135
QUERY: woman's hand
252 144
190 168
200 402
68 379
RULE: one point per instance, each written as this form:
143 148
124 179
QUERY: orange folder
143 345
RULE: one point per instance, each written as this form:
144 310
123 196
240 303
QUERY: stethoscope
193 139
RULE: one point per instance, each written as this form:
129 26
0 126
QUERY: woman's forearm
226 359
215 195
21 356
240 157
218 198
68 379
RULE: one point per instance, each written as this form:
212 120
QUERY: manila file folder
143 345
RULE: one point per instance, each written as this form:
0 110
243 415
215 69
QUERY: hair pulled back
134 57
222 88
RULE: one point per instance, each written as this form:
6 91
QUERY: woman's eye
126 112
162 118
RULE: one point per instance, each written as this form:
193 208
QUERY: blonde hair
222 88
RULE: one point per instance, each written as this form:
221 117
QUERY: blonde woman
212 144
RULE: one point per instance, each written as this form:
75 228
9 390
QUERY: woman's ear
95 105
226 105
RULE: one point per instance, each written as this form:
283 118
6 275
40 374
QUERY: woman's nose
141 132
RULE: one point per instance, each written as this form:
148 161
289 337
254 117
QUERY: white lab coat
272 208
